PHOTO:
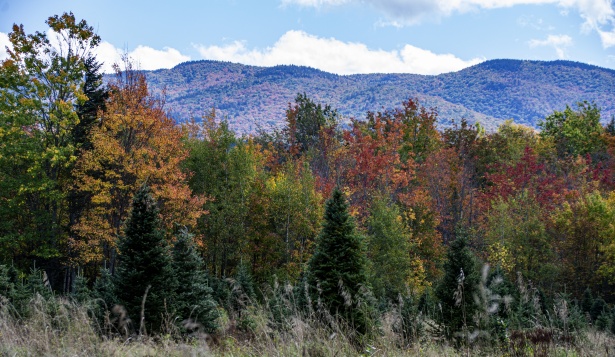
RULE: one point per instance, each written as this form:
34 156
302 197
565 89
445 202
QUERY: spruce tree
457 288
337 274
193 298
145 264
104 295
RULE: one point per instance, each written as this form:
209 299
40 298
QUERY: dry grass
59 327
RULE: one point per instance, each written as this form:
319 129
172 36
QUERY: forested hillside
491 92
384 235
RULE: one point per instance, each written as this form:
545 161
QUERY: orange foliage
135 143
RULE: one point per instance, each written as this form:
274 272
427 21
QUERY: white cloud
558 42
331 55
4 42
597 14
607 38
145 58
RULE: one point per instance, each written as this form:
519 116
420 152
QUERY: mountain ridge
255 98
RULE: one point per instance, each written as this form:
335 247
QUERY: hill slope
251 97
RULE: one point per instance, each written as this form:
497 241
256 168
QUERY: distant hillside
251 97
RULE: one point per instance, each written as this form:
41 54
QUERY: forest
124 232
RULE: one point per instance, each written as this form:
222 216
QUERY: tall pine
337 273
145 264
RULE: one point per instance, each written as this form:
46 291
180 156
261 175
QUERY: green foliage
242 296
517 238
104 288
41 85
587 301
584 230
574 132
306 119
80 290
193 300
7 282
145 269
599 307
389 249
336 273
225 169
458 287
295 213
104 294
37 283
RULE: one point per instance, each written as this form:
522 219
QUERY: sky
338 36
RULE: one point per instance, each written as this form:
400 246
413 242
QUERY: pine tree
193 298
337 274
80 291
145 264
7 285
104 294
458 286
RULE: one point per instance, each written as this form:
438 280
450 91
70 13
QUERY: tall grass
282 324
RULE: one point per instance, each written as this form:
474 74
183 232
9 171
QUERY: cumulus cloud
558 42
146 58
597 14
332 55
4 42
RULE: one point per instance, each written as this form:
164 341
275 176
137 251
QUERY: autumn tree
583 232
135 143
504 147
375 167
420 136
516 239
42 86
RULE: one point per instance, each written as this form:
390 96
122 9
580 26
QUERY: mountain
251 97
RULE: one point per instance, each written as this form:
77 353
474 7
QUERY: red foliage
527 174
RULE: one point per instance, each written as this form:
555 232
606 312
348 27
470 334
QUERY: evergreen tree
80 290
337 274
193 298
598 308
458 286
145 264
7 285
104 294
242 289
587 301
88 111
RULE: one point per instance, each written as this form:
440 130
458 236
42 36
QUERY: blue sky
340 36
